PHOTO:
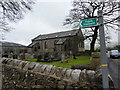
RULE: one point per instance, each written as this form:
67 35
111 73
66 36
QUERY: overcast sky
47 16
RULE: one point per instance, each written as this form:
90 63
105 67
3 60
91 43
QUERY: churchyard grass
81 60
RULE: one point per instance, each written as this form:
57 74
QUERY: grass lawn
81 60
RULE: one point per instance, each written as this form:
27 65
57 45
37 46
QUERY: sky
47 16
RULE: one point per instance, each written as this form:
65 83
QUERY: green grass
81 60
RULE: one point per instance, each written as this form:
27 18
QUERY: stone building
11 50
56 45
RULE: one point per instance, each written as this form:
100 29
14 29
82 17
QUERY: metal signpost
104 64
86 23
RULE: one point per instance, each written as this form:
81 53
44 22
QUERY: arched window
35 49
38 46
69 45
65 48
80 45
45 45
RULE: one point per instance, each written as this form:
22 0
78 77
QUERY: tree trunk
94 37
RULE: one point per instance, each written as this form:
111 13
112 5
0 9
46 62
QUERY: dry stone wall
23 74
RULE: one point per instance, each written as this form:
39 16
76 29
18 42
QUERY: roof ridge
6 42
54 33
59 32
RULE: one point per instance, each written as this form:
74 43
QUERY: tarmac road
114 71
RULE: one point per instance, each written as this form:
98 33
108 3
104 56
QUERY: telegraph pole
118 47
104 64
1 62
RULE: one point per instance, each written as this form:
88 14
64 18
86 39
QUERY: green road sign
88 22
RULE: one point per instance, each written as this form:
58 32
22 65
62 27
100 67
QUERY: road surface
114 71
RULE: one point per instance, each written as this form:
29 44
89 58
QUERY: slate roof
11 44
56 35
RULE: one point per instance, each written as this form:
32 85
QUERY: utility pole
0 49
1 62
118 47
1 46
104 58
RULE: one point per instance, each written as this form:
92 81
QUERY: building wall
72 44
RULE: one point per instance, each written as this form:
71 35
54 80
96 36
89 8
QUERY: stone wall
23 74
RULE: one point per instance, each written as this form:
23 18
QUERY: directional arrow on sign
88 22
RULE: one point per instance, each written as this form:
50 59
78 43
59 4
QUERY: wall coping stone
58 71
42 69
22 64
68 73
9 61
32 65
75 76
48 69
29 65
53 69
37 67
17 62
63 72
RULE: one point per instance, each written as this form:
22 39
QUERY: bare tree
88 9
12 11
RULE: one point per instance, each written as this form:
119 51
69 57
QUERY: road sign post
104 64
91 22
